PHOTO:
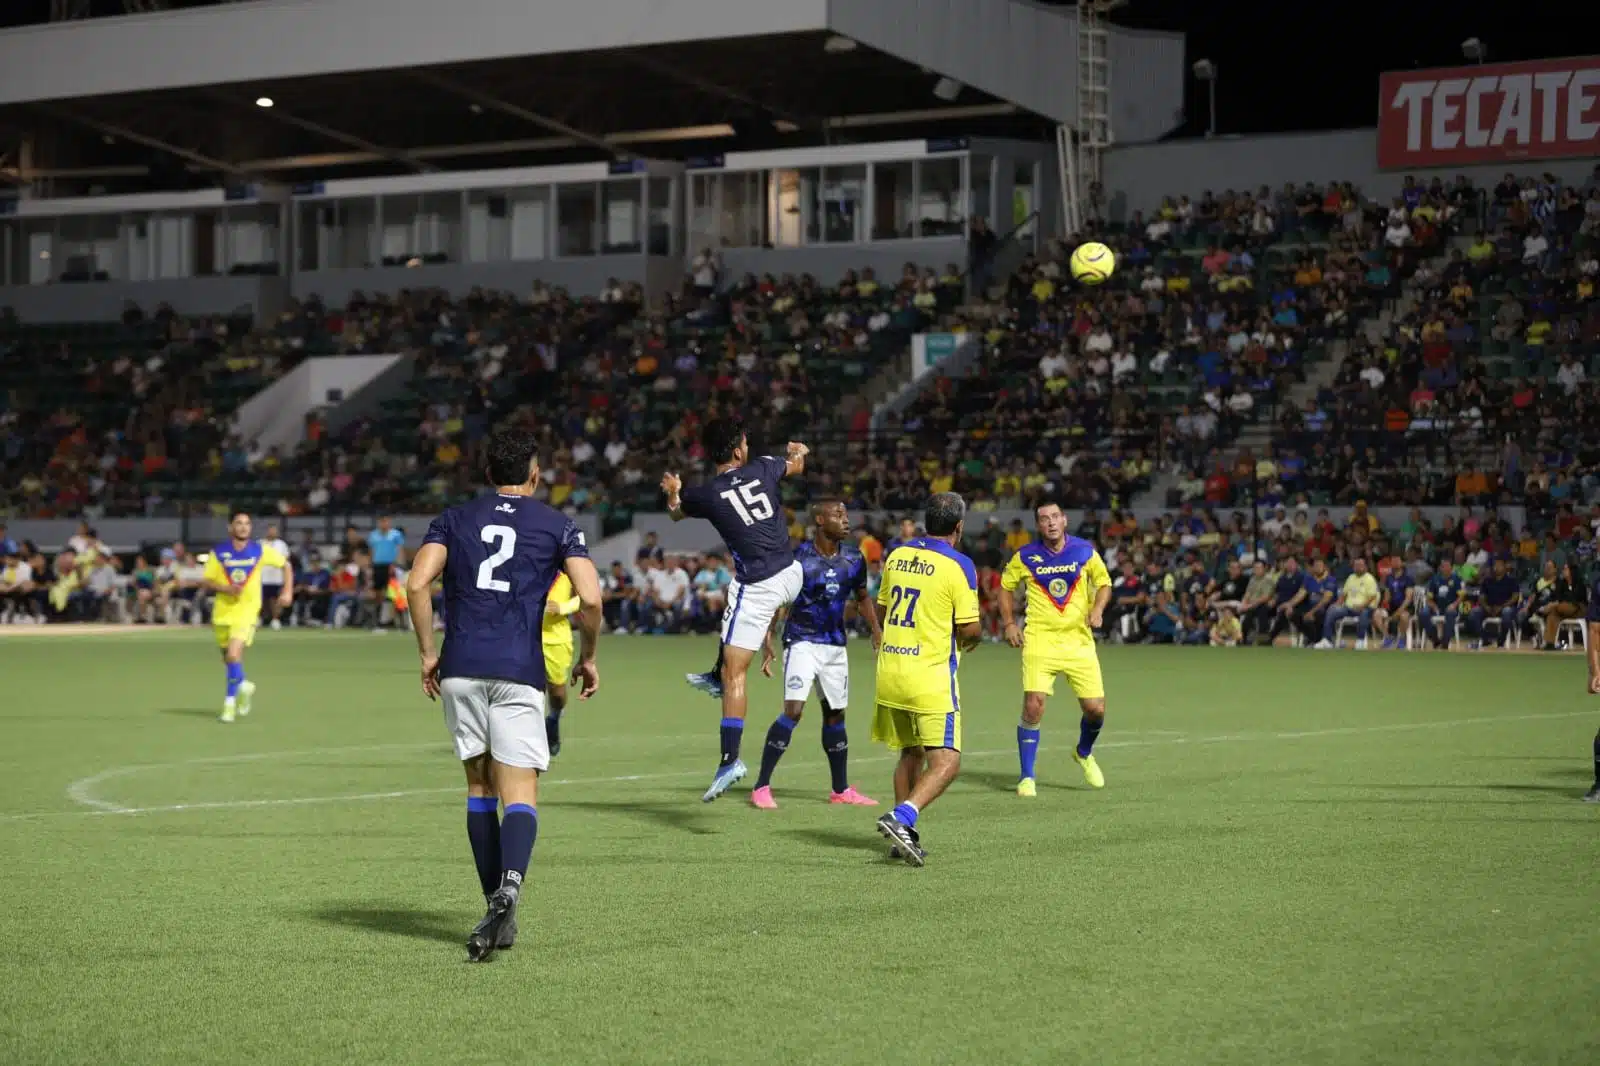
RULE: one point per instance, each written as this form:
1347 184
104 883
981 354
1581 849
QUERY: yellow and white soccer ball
1092 263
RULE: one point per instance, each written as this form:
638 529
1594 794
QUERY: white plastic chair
1569 624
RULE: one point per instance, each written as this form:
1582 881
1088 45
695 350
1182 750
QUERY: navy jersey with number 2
745 507
504 553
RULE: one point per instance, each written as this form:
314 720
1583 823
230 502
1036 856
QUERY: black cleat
508 932
486 935
552 732
916 838
1593 795
901 840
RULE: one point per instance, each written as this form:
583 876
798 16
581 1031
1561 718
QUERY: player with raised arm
1068 592
814 651
928 606
499 555
233 572
742 501
1591 620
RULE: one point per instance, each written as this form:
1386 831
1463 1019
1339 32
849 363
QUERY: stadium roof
677 80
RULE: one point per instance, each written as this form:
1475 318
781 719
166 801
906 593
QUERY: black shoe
552 732
916 838
508 931
486 934
901 840
1593 795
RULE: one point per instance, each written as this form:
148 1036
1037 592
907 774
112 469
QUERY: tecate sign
1546 109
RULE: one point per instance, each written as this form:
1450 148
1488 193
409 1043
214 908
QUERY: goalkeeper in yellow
233 572
559 606
1068 590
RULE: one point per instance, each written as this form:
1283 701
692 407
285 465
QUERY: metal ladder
1079 151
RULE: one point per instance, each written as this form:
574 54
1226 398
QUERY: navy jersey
1396 587
829 583
1287 587
504 553
745 507
1501 591
1444 591
1593 613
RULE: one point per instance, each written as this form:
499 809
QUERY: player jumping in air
929 610
741 500
499 555
814 650
1068 591
233 572
560 605
1591 619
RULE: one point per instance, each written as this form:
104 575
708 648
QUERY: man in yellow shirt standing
1068 592
233 572
1359 597
560 605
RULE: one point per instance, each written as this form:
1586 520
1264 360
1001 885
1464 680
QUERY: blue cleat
710 684
725 779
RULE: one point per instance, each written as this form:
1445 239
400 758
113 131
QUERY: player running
814 650
741 500
560 605
929 604
1068 591
499 555
233 572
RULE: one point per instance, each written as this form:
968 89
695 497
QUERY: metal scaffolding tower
1079 150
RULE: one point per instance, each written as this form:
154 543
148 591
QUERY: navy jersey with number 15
829 583
746 508
504 553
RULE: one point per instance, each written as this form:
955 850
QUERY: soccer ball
1093 263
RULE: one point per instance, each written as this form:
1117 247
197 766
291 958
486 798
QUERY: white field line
82 790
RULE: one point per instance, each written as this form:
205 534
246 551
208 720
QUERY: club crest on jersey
238 574
506 507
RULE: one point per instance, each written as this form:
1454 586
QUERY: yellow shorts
1080 665
557 664
900 728
228 632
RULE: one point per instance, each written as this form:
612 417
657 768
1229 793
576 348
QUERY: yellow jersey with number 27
929 589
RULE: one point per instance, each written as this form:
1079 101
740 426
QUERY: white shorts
503 718
825 665
751 607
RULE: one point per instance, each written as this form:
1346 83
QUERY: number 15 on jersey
749 502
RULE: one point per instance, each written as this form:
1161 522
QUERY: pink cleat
762 798
853 798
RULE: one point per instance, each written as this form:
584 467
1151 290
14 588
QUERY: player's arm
426 566
1010 579
672 485
1100 578
1594 653
794 462
586 583
286 594
215 578
968 617
869 611
769 654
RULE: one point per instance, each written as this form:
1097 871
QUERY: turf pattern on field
1300 858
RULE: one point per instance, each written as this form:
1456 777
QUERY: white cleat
247 692
726 778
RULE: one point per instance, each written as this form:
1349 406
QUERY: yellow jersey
557 628
240 566
929 589
1061 588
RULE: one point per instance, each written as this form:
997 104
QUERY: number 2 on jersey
505 540
753 507
902 606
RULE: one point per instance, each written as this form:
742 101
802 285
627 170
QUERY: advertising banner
1488 113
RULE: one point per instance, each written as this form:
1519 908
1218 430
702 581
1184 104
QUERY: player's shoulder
957 564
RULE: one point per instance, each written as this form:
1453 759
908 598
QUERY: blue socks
517 832
906 815
777 743
1088 731
235 678
483 829
836 745
732 733
1027 747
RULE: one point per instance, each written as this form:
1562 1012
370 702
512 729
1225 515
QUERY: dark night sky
1281 66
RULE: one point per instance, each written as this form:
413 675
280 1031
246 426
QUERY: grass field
1300 858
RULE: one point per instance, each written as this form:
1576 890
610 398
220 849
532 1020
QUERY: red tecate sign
1545 109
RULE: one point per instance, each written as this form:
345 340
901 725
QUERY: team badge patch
796 683
1058 588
